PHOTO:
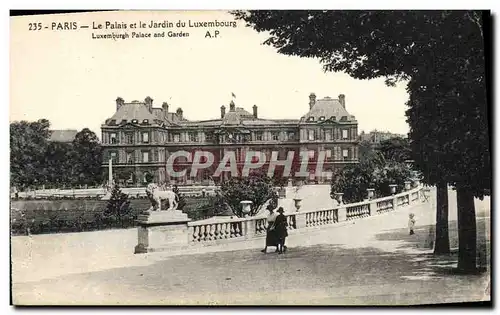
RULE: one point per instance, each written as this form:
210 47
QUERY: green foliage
118 207
372 172
395 149
439 53
28 145
257 188
87 157
36 161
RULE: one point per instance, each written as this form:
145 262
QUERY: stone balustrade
228 229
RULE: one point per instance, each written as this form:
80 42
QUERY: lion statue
156 195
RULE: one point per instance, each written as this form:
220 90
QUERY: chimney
342 100
231 107
222 111
179 113
312 100
119 103
165 109
255 111
149 103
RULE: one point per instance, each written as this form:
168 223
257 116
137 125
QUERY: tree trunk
442 245
466 230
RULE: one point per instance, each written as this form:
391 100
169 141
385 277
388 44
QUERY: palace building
140 138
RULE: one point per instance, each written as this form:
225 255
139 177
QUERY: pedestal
162 231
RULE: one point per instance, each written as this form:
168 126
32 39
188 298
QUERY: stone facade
139 138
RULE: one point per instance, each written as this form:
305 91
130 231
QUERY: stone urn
338 197
416 182
298 203
246 207
407 185
371 193
393 188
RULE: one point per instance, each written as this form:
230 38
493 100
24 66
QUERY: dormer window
135 121
310 119
344 118
124 121
333 118
112 122
322 118
145 121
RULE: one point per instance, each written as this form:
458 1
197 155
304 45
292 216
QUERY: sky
72 80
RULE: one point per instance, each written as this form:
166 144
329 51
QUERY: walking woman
280 230
271 239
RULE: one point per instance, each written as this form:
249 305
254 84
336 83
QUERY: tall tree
28 146
441 52
87 157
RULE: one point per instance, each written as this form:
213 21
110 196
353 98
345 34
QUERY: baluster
196 230
237 230
329 216
315 218
204 232
217 231
232 230
321 218
225 229
211 232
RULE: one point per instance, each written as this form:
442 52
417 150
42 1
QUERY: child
411 223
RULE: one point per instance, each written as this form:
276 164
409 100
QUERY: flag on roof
233 95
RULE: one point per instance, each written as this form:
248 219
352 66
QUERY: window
258 136
145 121
209 136
129 138
345 153
328 135
328 154
312 136
193 137
130 158
333 118
291 135
113 156
345 133
275 135
176 137
124 121
145 156
135 121
310 119
112 138
322 118
145 137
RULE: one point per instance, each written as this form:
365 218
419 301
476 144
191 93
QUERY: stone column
300 220
162 231
373 208
342 213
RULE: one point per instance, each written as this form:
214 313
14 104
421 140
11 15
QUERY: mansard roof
327 107
134 110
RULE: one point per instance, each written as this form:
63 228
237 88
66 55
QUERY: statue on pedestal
156 195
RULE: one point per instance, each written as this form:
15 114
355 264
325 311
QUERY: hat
280 210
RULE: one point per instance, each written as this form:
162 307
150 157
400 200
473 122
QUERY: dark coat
280 226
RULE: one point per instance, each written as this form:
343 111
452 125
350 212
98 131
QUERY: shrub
118 207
